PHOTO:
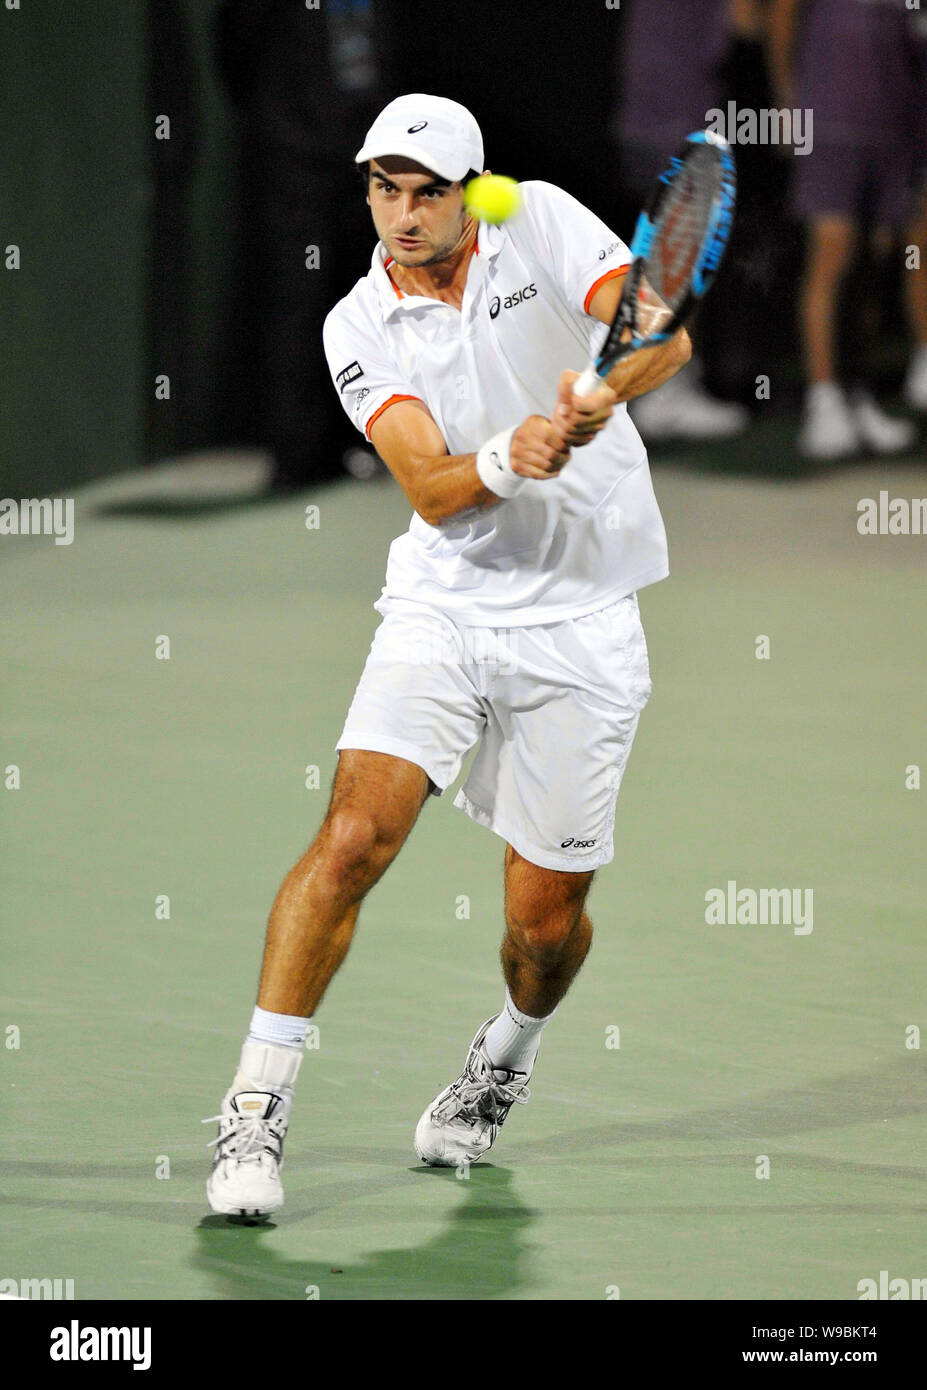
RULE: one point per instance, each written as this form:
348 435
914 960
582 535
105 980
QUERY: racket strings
678 244
683 220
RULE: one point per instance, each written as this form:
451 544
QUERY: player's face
419 218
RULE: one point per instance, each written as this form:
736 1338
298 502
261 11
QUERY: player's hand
577 419
537 449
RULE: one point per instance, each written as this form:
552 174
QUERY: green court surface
633 1167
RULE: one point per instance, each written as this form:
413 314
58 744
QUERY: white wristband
495 466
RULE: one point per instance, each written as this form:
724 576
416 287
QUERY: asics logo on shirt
518 297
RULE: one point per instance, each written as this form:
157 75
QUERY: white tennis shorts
552 709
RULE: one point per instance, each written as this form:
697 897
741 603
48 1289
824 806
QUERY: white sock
512 1042
285 1030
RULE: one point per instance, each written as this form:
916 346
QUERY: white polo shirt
559 548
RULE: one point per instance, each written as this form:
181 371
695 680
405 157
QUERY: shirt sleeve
580 250
365 377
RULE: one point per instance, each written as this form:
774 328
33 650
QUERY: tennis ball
493 197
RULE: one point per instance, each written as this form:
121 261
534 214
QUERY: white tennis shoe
681 409
461 1124
245 1177
829 431
880 432
838 425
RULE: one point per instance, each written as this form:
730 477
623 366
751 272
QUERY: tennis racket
677 247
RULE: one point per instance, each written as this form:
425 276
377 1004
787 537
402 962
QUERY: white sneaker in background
362 463
253 1121
915 382
880 433
829 430
681 409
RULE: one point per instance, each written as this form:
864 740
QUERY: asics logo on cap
414 129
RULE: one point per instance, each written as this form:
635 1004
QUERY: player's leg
547 932
547 937
414 715
546 777
375 801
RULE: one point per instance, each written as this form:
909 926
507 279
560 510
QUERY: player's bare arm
647 369
441 486
580 418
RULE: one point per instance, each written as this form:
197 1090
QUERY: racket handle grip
587 383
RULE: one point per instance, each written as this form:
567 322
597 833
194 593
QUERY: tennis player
510 619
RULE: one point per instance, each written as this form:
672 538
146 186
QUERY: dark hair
363 171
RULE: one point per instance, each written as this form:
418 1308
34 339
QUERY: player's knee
355 843
542 934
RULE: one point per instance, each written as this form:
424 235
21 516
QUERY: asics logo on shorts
576 844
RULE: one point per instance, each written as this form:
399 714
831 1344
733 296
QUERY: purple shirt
856 69
668 68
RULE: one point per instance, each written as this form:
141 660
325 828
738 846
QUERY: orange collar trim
386 265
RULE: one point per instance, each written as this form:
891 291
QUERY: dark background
142 256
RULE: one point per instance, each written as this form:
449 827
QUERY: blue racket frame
708 258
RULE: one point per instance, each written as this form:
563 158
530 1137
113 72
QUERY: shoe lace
483 1097
244 1138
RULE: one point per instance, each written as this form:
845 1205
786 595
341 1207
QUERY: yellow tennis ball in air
492 197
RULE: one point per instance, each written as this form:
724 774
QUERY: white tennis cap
436 132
